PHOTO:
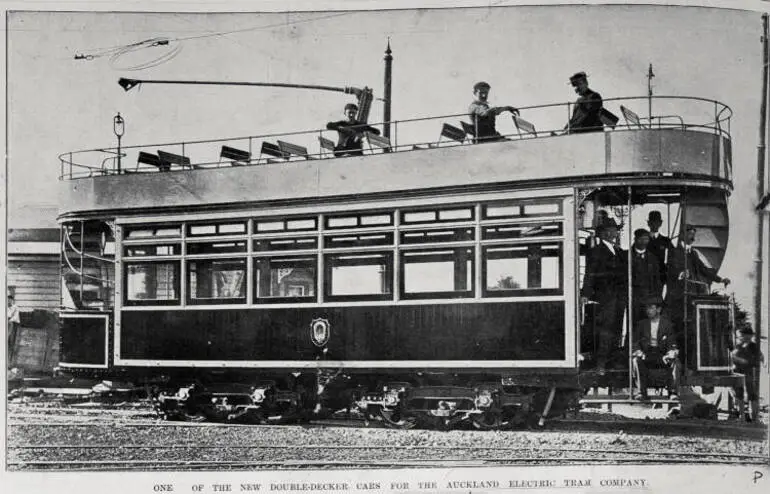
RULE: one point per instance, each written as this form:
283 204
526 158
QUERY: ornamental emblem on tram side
320 331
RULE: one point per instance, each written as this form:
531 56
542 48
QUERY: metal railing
673 112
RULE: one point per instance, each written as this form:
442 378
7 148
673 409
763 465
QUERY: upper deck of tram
686 139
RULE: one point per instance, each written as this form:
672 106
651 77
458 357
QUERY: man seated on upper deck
350 133
655 347
588 107
483 116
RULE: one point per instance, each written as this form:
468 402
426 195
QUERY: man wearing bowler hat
350 133
587 109
645 273
605 284
655 347
659 243
483 116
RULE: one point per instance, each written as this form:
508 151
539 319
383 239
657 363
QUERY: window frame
177 283
312 260
190 300
470 292
329 266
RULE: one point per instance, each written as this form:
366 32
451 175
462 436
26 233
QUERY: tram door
637 258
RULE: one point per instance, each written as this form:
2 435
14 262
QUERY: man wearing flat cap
350 133
605 284
645 273
483 116
655 347
587 108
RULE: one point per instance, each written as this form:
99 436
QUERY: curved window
152 283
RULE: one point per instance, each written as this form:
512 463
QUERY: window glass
217 229
268 244
293 224
359 274
354 220
358 240
438 271
216 279
216 247
442 235
523 267
156 281
553 229
152 231
285 277
453 214
508 210
152 250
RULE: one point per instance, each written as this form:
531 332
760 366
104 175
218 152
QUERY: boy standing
746 358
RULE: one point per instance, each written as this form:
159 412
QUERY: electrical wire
118 53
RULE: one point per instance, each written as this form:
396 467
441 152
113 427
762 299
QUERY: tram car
432 280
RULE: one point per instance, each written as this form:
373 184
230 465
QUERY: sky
58 104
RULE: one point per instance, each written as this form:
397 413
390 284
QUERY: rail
533 122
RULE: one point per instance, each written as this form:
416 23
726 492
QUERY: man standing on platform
659 244
587 108
645 274
605 284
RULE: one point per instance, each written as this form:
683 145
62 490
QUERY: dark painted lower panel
82 340
462 331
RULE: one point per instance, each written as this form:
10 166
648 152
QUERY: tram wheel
487 421
395 419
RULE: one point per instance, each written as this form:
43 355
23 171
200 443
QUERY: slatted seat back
235 154
289 149
379 141
271 149
173 159
469 129
632 119
326 144
608 118
524 127
152 159
452 132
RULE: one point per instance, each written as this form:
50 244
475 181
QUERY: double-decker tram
431 281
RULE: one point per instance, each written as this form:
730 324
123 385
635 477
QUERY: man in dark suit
688 272
645 273
605 284
587 109
659 243
655 347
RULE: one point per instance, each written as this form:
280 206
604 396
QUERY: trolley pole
761 185
650 75
387 90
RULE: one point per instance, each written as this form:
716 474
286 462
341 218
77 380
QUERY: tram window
152 283
440 235
152 250
507 210
492 232
152 232
437 273
293 224
359 276
358 240
216 229
519 269
216 280
216 247
437 215
359 220
271 244
288 278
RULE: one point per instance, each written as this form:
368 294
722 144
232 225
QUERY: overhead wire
117 53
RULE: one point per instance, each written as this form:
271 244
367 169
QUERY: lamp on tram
119 128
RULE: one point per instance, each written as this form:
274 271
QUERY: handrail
75 164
